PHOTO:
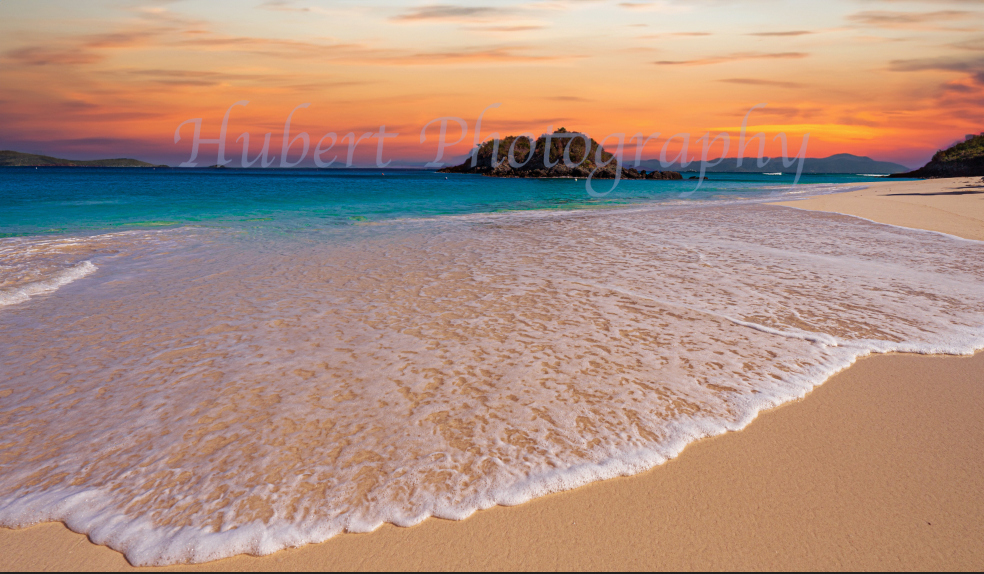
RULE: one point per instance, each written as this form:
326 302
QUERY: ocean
203 363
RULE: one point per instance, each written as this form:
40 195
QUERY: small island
17 159
538 166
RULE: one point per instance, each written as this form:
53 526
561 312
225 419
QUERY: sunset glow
894 80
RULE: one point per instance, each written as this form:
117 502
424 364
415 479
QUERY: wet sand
879 468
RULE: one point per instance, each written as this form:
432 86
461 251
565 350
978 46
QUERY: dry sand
954 206
882 467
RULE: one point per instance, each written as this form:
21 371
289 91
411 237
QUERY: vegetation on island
965 159
972 148
570 154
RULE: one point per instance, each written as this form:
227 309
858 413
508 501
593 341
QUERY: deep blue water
70 200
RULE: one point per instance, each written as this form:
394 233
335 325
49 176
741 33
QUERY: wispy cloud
782 34
569 99
504 55
973 67
359 54
975 44
961 88
733 58
189 77
282 49
517 28
785 113
160 15
446 12
84 50
283 5
943 63
887 19
41 56
561 4
666 7
765 83
91 49
675 35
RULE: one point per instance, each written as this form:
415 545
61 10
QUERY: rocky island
569 156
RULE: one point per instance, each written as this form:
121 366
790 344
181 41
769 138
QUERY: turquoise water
70 200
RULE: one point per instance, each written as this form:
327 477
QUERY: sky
891 79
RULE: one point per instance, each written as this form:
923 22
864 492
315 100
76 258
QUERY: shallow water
209 390
72 200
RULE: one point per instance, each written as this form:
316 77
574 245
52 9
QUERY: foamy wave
25 292
244 397
38 265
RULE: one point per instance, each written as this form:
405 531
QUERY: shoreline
845 478
720 494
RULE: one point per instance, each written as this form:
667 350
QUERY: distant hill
18 159
965 159
839 163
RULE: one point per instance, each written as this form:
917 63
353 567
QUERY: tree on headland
964 159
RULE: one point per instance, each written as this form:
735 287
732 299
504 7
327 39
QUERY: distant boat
780 173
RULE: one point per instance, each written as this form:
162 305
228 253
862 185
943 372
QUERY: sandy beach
954 206
879 468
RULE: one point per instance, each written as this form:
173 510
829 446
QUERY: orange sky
891 79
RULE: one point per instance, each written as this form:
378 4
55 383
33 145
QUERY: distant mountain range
18 159
963 159
839 163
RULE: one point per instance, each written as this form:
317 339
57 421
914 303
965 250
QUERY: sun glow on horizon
887 79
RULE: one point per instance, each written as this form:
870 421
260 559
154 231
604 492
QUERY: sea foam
242 395
24 292
40 265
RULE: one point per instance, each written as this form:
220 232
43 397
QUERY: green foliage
577 152
970 149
